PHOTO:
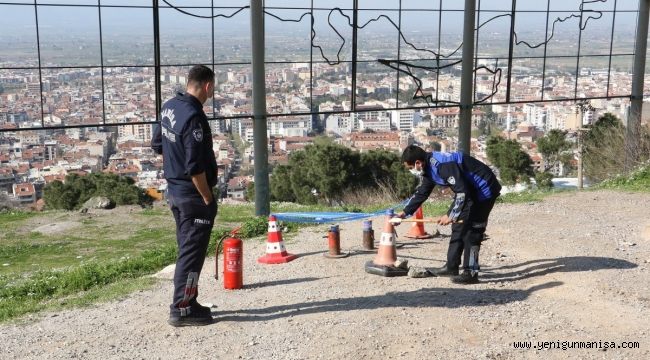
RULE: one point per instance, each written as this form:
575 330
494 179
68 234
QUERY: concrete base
419 237
339 256
398 245
276 258
385 271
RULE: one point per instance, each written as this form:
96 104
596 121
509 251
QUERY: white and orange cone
386 253
276 252
386 263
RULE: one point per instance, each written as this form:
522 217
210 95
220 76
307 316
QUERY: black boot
465 278
197 316
444 271
198 308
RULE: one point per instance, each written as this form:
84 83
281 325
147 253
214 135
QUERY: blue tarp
329 217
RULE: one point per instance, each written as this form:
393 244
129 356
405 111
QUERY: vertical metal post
156 50
260 139
580 28
466 86
476 51
548 12
636 106
511 48
101 60
311 63
40 69
611 49
214 91
399 47
438 53
355 14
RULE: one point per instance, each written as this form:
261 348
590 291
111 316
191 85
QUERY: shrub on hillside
607 153
638 179
6 203
544 180
327 172
513 162
76 190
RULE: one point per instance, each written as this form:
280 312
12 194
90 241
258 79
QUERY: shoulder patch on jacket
198 135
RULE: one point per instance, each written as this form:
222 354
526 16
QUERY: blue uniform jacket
184 139
468 178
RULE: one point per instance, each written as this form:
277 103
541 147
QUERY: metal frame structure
435 61
402 67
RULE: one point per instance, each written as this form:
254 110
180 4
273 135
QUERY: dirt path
571 268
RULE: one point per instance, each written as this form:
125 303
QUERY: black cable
582 25
407 67
205 17
497 73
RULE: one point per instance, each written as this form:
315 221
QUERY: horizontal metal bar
555 100
307 61
278 115
306 8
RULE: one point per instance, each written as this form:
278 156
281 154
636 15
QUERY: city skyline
83 98
83 73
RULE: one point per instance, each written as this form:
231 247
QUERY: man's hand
208 200
444 220
201 184
397 219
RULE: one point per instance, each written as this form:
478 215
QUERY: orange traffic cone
417 229
384 262
276 253
386 254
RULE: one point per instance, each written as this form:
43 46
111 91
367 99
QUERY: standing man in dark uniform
476 189
185 141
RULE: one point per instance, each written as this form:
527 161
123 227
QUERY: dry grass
383 194
614 155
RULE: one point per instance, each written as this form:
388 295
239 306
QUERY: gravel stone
549 272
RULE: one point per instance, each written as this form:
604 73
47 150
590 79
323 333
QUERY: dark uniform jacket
470 180
185 140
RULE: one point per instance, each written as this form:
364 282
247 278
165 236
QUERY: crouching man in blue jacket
476 188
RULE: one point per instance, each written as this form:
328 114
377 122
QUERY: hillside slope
573 267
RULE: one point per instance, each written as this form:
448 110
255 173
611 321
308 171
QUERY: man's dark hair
199 75
413 153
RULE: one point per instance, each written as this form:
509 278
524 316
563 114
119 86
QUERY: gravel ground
571 268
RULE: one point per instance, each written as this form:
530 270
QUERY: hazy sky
17 19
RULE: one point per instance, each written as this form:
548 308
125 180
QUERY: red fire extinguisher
233 256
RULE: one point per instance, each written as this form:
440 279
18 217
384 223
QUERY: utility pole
636 105
466 80
260 139
580 185
580 112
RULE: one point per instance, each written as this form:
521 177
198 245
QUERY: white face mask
416 172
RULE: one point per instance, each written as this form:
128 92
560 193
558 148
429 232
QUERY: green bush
76 190
254 227
250 191
326 171
513 162
544 180
638 180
